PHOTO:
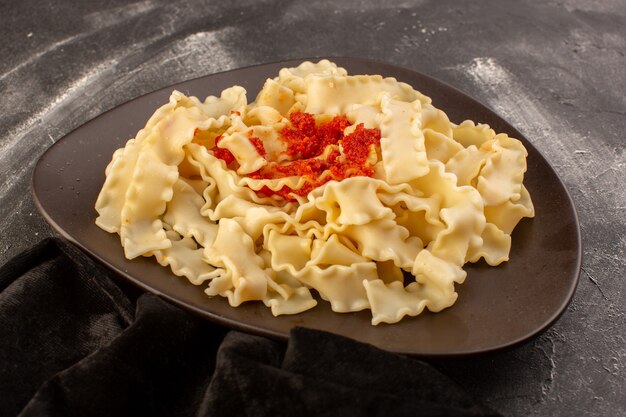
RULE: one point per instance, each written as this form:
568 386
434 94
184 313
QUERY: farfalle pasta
353 186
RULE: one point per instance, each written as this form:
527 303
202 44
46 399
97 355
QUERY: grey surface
555 70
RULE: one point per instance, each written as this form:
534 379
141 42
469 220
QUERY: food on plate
354 186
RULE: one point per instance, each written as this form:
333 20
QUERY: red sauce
305 140
306 143
258 145
356 146
223 154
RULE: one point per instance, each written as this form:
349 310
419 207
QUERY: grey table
555 69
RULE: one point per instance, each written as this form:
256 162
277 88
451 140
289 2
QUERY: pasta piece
185 259
183 214
340 285
112 197
399 247
402 143
333 252
270 138
352 201
439 146
232 100
145 200
437 277
244 152
290 250
335 95
391 302
495 247
501 177
301 300
435 120
468 134
506 215
467 164
293 78
233 250
461 212
276 96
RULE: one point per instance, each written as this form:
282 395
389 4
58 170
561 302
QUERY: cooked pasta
354 186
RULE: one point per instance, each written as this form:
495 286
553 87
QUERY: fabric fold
322 374
54 310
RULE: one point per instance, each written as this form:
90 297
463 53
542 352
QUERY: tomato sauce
221 153
306 143
258 145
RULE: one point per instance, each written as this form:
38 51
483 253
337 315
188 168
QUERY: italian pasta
354 186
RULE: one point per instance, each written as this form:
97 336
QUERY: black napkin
73 342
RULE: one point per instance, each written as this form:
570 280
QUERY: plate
497 307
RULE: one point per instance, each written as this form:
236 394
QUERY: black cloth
73 342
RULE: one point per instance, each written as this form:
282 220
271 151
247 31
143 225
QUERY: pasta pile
212 190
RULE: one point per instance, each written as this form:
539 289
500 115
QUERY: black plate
497 307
